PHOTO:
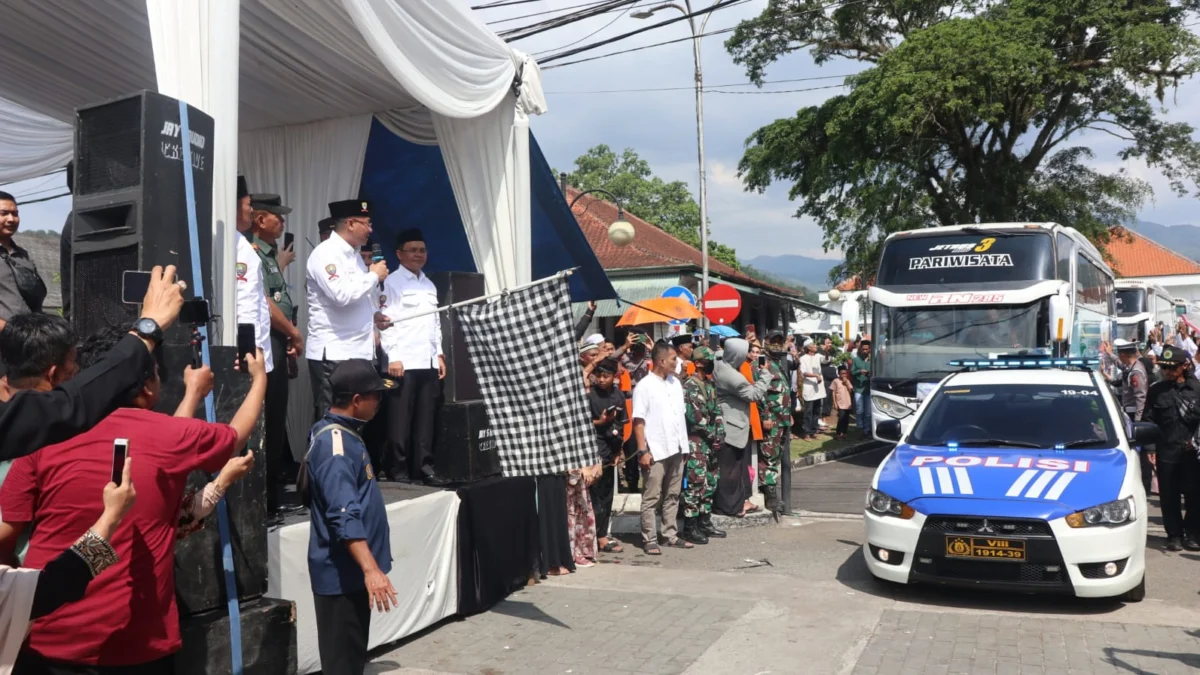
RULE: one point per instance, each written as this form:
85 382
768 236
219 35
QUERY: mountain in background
799 270
1183 239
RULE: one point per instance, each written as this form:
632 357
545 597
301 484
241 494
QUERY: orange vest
755 422
690 368
626 385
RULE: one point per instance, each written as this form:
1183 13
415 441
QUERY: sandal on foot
612 547
652 549
680 543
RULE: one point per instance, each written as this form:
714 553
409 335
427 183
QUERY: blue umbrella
724 331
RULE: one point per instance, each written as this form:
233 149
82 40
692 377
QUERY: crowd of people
1157 383
681 420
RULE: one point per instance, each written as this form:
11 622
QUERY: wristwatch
148 329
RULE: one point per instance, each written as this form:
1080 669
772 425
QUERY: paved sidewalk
933 643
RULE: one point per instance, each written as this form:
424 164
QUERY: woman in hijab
28 594
736 394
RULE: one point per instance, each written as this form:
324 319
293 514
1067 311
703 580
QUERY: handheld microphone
376 252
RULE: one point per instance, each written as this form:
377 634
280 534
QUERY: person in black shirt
607 404
31 420
1174 405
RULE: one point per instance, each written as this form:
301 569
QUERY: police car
1018 474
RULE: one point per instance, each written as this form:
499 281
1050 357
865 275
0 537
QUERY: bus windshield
1130 301
964 258
917 342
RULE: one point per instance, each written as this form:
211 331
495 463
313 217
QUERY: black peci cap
326 225
269 203
350 208
242 190
410 234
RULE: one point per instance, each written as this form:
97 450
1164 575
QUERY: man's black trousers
318 375
410 416
277 456
343 628
1179 481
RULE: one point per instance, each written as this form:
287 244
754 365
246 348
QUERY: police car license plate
986 548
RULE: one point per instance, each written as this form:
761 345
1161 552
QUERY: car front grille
1015 527
986 570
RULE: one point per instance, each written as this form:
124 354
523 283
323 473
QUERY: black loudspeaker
460 383
464 449
268 641
130 206
199 576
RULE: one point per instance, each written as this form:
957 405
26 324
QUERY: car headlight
890 408
1118 512
884 505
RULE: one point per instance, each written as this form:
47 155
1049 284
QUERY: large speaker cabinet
460 384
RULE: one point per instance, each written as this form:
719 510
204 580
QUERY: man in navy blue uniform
349 552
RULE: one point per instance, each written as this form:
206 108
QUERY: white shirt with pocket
251 297
812 390
341 311
417 342
659 403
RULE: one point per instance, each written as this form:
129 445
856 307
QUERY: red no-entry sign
722 304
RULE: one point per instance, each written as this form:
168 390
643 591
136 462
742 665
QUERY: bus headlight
890 408
884 505
1117 512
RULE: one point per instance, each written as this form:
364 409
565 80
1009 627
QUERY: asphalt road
836 487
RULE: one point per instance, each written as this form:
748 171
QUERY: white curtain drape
34 144
196 46
309 165
478 107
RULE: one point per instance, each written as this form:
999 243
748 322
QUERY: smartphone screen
288 239
134 285
120 450
245 342
762 361
195 311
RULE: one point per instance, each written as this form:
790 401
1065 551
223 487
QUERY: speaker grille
110 147
98 277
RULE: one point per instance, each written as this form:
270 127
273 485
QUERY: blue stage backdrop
407 186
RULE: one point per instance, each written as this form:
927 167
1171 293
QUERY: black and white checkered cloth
528 368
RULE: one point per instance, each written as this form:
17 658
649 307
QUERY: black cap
411 234
326 225
1172 356
358 376
606 365
269 203
681 340
242 190
350 208
776 333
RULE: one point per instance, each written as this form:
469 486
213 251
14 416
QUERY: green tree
669 206
972 111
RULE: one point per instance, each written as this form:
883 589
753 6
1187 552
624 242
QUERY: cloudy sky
660 124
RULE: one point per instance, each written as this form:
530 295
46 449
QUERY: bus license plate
986 548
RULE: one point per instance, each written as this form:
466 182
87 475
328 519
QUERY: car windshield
1018 415
910 341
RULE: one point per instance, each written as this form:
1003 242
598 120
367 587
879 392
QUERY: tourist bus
979 291
1140 306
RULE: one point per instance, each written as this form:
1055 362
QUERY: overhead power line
589 35
707 87
544 12
502 3
513 34
716 6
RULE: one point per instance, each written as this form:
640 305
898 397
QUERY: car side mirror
889 430
1146 433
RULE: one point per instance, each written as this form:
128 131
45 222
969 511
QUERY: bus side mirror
888 430
1060 318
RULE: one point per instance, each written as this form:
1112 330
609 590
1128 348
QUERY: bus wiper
920 376
998 442
1084 442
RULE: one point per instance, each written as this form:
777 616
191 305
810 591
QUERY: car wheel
1137 593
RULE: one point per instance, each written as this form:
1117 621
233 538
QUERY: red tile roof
1134 255
651 246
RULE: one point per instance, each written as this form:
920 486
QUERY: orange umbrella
659 310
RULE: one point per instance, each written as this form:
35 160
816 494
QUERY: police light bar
1019 362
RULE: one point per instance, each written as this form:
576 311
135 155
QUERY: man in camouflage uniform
776 418
706 432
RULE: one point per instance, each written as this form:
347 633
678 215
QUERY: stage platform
454 551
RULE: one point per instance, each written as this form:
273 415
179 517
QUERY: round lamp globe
621 233
835 295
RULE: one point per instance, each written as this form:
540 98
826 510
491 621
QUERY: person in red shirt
128 618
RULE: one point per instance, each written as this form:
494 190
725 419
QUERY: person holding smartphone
607 405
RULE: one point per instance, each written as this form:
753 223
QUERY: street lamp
686 9
621 232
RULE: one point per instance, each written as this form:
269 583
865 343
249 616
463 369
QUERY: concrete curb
816 458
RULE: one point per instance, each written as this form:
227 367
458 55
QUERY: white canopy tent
300 82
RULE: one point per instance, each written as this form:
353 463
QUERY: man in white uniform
341 323
251 296
414 354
